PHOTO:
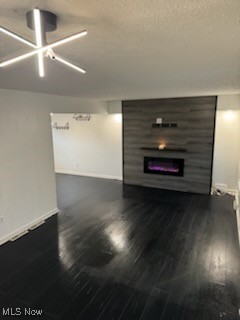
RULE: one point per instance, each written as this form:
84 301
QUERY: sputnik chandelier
42 22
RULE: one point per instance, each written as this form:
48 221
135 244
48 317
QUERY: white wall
227 141
115 106
91 148
228 102
27 180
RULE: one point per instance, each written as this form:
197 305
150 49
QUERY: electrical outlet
1 219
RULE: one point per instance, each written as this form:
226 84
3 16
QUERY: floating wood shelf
164 150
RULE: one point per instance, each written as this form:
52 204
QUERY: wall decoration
58 127
82 116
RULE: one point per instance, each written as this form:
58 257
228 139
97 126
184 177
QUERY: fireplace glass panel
164 166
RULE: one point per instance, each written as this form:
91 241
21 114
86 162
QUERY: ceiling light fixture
42 22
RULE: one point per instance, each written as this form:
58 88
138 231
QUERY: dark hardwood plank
127 252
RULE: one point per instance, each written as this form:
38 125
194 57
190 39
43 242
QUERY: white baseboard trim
232 192
24 229
93 175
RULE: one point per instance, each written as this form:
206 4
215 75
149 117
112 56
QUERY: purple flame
161 168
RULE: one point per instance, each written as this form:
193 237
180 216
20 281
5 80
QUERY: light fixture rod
69 64
39 39
17 37
36 51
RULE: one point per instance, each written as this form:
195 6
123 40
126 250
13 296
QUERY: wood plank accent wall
195 118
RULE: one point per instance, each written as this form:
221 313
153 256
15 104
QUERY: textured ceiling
134 49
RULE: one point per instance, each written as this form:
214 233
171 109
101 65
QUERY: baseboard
28 226
93 175
232 192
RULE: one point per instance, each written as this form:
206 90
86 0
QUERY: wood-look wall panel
195 118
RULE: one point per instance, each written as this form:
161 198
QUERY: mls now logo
20 312
12 312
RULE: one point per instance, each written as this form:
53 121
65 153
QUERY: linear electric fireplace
165 166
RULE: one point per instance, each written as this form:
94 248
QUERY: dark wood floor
126 253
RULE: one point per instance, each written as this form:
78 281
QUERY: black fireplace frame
165 173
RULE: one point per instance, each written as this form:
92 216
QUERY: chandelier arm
17 37
39 39
71 65
43 49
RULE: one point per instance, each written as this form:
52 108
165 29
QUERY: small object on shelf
164 125
161 146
